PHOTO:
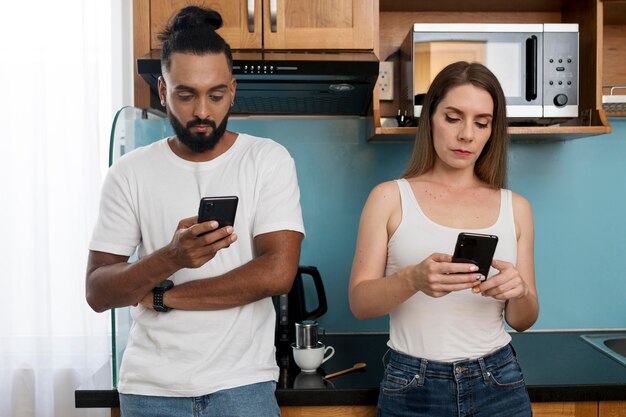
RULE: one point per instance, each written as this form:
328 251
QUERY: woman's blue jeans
486 387
255 400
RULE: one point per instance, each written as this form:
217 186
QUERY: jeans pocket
398 381
506 376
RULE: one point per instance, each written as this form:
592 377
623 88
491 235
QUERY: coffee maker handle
319 289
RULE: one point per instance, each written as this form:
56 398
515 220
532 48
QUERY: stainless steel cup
307 334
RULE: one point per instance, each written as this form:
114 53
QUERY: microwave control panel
560 75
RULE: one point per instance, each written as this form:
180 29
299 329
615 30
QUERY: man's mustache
204 122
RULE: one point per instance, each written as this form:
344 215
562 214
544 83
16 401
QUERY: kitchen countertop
557 366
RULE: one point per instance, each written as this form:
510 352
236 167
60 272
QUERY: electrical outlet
385 80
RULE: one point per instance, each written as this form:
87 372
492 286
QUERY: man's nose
202 110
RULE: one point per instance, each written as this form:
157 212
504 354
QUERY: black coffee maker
294 307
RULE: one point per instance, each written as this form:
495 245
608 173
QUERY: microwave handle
531 68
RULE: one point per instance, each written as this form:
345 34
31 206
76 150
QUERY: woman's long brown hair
491 166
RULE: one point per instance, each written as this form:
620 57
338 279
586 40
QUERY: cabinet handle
273 9
251 16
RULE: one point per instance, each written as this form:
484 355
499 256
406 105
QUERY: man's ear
162 89
233 90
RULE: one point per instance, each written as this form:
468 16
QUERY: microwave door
514 58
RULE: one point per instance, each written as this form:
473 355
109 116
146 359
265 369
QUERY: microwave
536 64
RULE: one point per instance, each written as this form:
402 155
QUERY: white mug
309 359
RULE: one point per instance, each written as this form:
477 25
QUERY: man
205 345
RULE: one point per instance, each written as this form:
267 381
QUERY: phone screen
220 209
477 249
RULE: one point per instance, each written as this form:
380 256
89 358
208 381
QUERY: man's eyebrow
182 87
454 109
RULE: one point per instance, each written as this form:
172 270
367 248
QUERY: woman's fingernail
476 289
214 224
473 268
479 277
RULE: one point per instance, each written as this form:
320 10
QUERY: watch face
165 285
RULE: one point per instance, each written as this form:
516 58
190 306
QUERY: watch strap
157 298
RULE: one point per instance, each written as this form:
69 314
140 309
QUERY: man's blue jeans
492 386
255 400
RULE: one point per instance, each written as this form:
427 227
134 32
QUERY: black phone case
477 249
220 209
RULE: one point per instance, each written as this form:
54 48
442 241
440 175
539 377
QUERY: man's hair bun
190 18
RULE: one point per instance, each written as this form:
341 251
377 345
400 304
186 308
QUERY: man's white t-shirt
146 193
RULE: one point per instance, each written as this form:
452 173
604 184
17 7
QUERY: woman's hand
505 285
437 275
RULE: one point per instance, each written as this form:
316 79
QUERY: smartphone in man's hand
220 209
477 249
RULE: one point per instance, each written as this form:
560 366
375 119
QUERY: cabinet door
319 24
566 409
242 22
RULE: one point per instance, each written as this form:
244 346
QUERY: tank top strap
506 209
406 195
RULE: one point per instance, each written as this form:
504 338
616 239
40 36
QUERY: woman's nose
467 131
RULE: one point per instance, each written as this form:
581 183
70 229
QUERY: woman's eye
482 125
451 119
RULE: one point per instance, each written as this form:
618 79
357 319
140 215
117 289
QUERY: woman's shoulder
385 194
522 212
386 190
519 201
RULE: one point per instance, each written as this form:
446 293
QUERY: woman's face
461 126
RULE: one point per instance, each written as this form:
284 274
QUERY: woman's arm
374 295
516 283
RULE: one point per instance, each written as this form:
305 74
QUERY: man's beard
199 142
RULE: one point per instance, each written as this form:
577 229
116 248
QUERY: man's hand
194 244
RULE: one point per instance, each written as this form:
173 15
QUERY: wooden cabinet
282 24
242 20
614 56
265 24
566 409
542 409
397 16
612 409
545 409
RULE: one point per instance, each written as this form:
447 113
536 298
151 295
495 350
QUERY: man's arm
271 273
113 282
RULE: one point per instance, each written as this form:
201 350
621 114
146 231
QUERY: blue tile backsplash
577 189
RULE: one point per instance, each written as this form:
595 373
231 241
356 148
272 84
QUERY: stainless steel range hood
291 83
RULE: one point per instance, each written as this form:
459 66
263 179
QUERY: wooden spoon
356 366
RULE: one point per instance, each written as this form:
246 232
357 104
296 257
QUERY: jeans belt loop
483 370
422 373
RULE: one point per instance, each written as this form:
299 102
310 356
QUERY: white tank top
460 325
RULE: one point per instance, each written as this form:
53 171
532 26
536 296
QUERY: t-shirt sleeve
278 205
117 229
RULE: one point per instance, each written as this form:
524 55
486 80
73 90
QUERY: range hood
291 83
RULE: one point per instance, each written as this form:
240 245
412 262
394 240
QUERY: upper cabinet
282 24
614 58
242 20
396 18
264 24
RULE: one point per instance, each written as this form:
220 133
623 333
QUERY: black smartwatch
157 292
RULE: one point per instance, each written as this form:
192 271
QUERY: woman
449 350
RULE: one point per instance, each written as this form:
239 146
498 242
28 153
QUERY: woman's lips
461 152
